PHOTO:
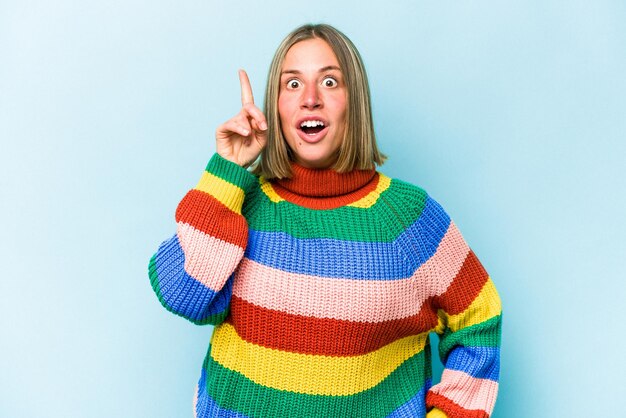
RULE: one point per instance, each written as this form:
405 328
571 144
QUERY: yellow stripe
267 188
227 193
436 413
308 373
485 306
372 197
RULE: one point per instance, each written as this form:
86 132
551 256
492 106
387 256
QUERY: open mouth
312 127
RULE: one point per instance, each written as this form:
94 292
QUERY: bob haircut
358 149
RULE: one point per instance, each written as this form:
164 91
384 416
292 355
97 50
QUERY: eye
329 82
293 84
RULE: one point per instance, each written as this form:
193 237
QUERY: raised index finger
246 88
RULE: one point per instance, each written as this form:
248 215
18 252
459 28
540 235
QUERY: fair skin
312 104
241 138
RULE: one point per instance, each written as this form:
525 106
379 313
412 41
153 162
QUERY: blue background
511 114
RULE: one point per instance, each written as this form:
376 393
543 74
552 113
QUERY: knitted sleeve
469 315
191 272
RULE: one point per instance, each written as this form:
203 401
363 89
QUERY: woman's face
312 103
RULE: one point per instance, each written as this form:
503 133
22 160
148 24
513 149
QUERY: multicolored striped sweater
324 289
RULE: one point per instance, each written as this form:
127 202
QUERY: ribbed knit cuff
231 172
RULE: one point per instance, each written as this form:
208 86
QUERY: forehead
310 54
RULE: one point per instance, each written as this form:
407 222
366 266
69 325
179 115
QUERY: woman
323 276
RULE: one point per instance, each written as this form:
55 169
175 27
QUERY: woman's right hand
241 138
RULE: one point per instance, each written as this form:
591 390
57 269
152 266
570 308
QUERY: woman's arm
191 272
469 312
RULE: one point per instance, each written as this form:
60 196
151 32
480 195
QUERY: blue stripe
330 257
181 293
206 407
415 407
478 362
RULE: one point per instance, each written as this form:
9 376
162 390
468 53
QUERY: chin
318 155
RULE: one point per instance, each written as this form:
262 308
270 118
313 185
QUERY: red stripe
309 335
465 287
451 409
209 215
326 202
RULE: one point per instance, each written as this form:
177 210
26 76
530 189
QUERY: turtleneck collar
325 182
325 188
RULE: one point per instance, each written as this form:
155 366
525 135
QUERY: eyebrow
321 70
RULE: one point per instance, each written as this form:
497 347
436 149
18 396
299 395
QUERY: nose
310 97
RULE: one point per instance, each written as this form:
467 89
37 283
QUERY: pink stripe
350 299
467 391
208 259
449 257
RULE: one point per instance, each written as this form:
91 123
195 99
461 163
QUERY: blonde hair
358 149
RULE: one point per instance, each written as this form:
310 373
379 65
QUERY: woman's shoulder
403 191
407 196
404 187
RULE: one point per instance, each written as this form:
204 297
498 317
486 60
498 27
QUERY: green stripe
397 208
484 334
230 172
154 279
215 319
233 391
